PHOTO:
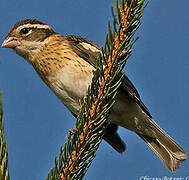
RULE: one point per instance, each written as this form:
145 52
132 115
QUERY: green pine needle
4 173
105 100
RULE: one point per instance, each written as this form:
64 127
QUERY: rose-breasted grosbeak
65 64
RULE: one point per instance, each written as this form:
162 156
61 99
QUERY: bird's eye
24 31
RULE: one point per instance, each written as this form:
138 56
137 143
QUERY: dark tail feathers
169 152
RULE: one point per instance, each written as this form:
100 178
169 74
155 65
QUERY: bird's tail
169 152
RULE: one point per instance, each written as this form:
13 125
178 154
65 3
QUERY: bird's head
27 36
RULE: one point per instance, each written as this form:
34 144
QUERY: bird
66 65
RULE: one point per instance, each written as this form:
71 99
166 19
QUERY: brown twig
78 154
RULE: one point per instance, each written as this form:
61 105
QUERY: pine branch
4 173
84 140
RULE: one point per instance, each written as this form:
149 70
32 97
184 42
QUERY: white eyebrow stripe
41 26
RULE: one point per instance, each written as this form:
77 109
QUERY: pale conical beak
11 42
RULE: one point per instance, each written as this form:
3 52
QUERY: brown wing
84 48
128 88
90 52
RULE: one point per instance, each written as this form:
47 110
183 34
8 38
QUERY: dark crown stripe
26 21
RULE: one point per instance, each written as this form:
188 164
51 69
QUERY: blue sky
36 123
